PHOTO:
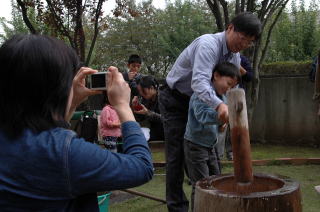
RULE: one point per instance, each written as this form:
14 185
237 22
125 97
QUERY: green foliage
182 23
13 26
287 68
158 36
17 25
128 35
296 36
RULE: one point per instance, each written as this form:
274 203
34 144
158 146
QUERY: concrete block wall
285 112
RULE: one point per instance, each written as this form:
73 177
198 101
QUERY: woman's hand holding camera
119 94
79 92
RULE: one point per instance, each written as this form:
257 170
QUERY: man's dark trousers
174 111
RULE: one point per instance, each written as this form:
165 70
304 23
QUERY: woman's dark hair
36 78
227 69
148 82
247 23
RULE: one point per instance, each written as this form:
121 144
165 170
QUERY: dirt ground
120 196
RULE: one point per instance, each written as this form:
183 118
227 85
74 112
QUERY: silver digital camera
97 81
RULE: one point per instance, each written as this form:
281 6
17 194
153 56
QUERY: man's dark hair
148 82
134 58
36 78
227 69
247 23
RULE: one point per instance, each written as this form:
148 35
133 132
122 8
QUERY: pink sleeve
106 117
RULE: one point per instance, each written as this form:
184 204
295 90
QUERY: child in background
201 155
110 127
132 75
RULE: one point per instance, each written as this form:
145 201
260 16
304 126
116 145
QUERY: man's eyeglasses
248 41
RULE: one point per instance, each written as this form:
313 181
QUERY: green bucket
103 202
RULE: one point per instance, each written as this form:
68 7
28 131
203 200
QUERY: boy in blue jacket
201 156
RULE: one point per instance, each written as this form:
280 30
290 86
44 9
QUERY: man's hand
242 71
223 113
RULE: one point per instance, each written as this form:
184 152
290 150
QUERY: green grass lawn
264 151
267 151
307 175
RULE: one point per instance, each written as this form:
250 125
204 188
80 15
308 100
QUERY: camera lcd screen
98 81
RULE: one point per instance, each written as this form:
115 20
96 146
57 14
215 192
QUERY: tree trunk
25 17
214 6
253 95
